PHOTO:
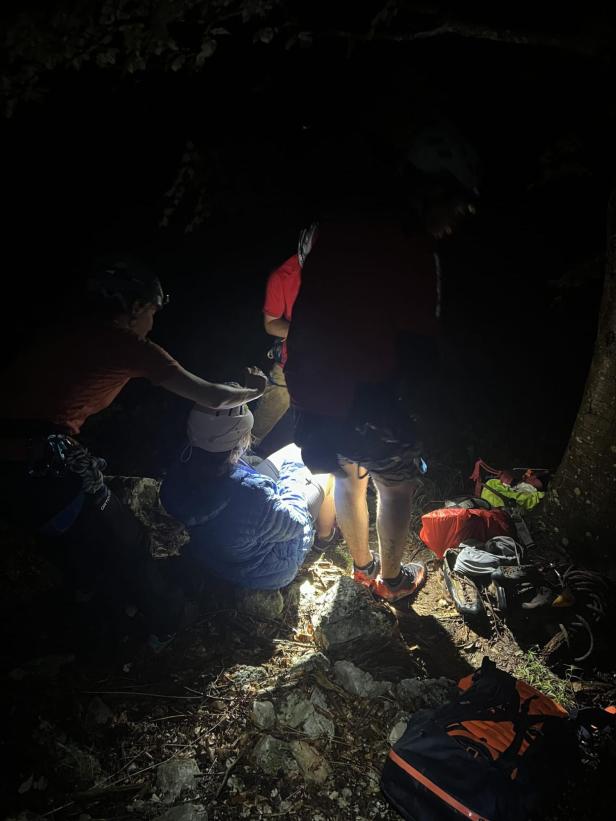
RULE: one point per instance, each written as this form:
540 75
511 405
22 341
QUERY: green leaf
208 47
265 35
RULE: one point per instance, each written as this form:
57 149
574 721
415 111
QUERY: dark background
86 169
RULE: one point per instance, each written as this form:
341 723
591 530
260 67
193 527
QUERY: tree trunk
582 499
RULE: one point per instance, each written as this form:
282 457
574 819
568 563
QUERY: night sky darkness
85 171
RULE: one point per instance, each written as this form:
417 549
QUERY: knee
394 492
350 491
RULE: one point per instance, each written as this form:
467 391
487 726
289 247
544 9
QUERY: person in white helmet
250 524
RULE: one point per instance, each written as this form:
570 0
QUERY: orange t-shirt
78 372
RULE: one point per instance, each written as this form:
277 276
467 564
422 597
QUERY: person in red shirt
281 291
48 480
372 279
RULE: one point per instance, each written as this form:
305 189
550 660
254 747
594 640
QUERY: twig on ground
228 772
143 695
123 767
307 645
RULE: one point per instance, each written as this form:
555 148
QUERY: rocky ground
277 706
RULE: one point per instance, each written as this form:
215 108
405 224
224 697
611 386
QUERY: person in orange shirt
48 480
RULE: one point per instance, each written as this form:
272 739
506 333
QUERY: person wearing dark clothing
372 278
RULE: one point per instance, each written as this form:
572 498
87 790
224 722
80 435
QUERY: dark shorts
379 435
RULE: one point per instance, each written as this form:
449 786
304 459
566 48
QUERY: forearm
277 327
209 394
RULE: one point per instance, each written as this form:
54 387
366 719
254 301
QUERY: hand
255 378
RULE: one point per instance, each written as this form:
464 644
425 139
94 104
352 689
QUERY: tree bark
582 498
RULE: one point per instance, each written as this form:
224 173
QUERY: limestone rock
310 663
359 683
263 714
397 731
264 605
313 766
298 712
349 620
173 777
274 756
295 710
142 495
98 713
247 673
79 766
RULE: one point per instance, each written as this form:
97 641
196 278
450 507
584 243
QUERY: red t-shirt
78 372
281 292
363 283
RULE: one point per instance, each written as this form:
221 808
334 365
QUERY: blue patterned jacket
245 527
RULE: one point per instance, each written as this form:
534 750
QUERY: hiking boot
461 588
323 544
412 578
510 576
368 575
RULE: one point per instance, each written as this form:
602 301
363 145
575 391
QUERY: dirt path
86 740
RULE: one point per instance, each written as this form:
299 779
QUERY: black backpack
488 755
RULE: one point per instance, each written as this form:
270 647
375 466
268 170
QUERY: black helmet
125 282
439 150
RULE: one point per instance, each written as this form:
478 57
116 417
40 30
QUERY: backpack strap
510 758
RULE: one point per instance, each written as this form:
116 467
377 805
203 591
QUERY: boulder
348 620
98 713
78 766
246 674
173 777
142 495
294 710
263 605
397 731
274 756
309 663
263 714
359 683
313 766
297 712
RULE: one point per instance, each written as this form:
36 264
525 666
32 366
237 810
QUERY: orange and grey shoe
412 578
368 575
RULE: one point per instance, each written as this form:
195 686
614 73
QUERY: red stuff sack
448 526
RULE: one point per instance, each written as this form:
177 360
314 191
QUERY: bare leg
326 519
352 513
392 523
271 407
